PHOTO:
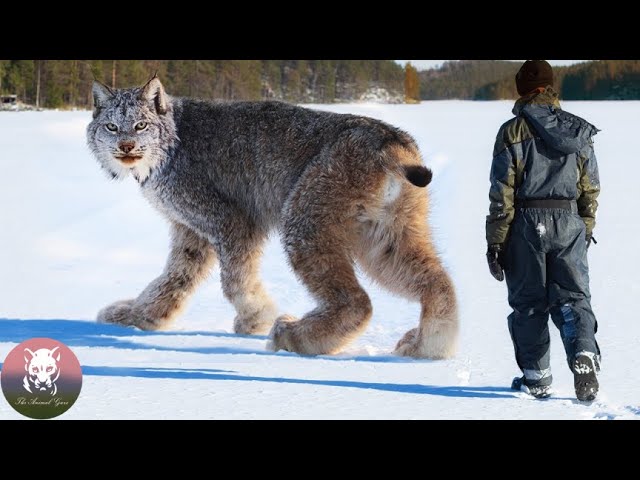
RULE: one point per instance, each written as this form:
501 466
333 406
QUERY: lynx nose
126 147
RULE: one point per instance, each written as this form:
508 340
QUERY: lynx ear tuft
153 92
101 95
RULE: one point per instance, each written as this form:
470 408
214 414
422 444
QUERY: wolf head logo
42 370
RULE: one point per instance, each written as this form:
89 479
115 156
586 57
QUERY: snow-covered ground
72 241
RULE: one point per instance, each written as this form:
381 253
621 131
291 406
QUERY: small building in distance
8 102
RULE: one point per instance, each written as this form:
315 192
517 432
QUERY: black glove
494 259
590 238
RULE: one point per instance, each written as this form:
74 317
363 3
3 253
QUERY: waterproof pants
545 263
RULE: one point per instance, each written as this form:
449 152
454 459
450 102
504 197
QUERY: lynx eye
140 126
35 370
112 127
49 369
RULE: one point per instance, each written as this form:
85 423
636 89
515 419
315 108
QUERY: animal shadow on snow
76 333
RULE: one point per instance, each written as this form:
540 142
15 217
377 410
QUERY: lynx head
132 129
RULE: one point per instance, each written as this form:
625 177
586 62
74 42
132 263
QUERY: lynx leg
395 250
437 334
190 260
343 310
318 231
240 253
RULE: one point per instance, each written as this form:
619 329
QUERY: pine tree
411 84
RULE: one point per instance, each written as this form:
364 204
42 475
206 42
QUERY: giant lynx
340 189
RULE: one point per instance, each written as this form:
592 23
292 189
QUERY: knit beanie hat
533 74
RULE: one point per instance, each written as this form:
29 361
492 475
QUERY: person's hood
560 130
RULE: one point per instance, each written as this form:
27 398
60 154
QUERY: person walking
543 194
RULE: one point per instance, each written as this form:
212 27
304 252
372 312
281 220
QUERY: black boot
585 378
537 391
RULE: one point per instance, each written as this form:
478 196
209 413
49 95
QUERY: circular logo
41 378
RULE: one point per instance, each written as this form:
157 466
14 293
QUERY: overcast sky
424 64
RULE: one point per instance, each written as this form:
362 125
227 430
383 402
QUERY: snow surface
72 241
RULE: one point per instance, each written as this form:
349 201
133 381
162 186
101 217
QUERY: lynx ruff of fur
340 189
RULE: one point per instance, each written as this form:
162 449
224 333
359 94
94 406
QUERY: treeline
463 79
67 83
495 79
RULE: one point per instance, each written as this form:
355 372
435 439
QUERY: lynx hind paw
437 342
278 334
406 345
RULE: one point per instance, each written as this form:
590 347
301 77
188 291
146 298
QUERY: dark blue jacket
542 153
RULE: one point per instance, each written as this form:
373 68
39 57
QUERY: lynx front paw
258 323
123 312
280 335
117 312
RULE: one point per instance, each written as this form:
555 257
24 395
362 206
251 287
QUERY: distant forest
67 83
495 79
